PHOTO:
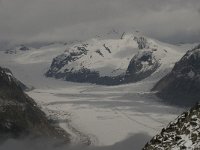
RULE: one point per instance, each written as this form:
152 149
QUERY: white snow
105 114
111 57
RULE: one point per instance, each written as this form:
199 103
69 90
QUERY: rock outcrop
182 134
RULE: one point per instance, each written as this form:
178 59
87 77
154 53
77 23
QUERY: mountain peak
107 61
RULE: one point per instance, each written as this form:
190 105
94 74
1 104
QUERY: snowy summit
130 58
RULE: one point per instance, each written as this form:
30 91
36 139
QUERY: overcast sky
52 20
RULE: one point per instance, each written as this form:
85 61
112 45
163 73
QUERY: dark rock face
142 42
62 60
182 85
141 66
24 48
20 115
183 133
85 75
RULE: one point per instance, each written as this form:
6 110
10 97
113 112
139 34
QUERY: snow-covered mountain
183 133
182 85
128 58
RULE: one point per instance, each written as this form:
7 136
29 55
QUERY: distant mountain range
17 49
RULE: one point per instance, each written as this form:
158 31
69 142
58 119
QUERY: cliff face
20 115
182 85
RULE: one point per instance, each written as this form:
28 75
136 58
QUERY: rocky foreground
182 134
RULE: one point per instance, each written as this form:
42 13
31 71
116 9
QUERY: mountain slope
111 61
19 83
182 85
183 133
20 115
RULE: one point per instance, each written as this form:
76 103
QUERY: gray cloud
199 10
50 20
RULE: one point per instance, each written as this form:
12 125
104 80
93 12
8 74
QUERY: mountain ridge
111 61
181 86
19 114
